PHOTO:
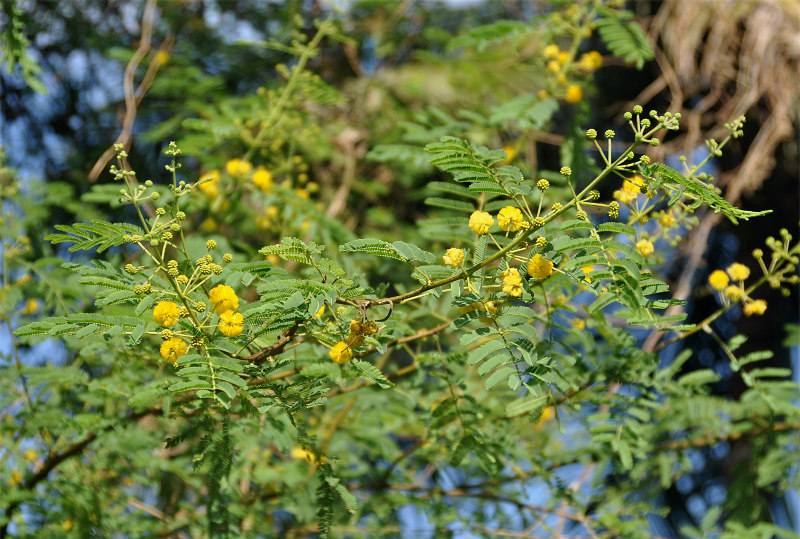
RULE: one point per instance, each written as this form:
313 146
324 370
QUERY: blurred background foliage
344 159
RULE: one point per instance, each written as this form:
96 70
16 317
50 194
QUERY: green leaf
623 37
701 191
98 234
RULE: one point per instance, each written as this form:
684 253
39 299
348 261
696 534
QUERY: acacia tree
241 359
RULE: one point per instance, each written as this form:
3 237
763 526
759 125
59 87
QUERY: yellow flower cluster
230 323
512 282
758 306
360 329
645 247
341 353
590 61
666 218
167 313
510 219
630 190
718 280
574 94
480 222
31 307
539 267
223 298
172 349
238 167
210 187
262 178
738 272
454 258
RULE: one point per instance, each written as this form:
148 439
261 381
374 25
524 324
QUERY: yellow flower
162 57
262 178
539 267
223 298
738 272
551 51
590 61
542 94
480 222
30 455
172 349
16 478
341 353
718 280
578 323
666 218
210 187
630 190
554 66
586 271
236 167
645 247
230 323
510 152
209 225
31 306
758 306
561 78
547 414
320 312
454 257
574 94
68 524
509 219
512 282
298 453
272 212
734 293
167 313
563 56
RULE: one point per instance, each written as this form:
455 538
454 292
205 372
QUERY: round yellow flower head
223 298
718 280
236 167
645 247
590 61
167 313
31 306
666 218
509 219
262 178
341 353
172 349
230 323
210 187
551 51
738 272
454 257
734 293
512 282
574 94
480 222
758 306
539 267
578 323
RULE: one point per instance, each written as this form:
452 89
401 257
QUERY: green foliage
623 37
284 346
